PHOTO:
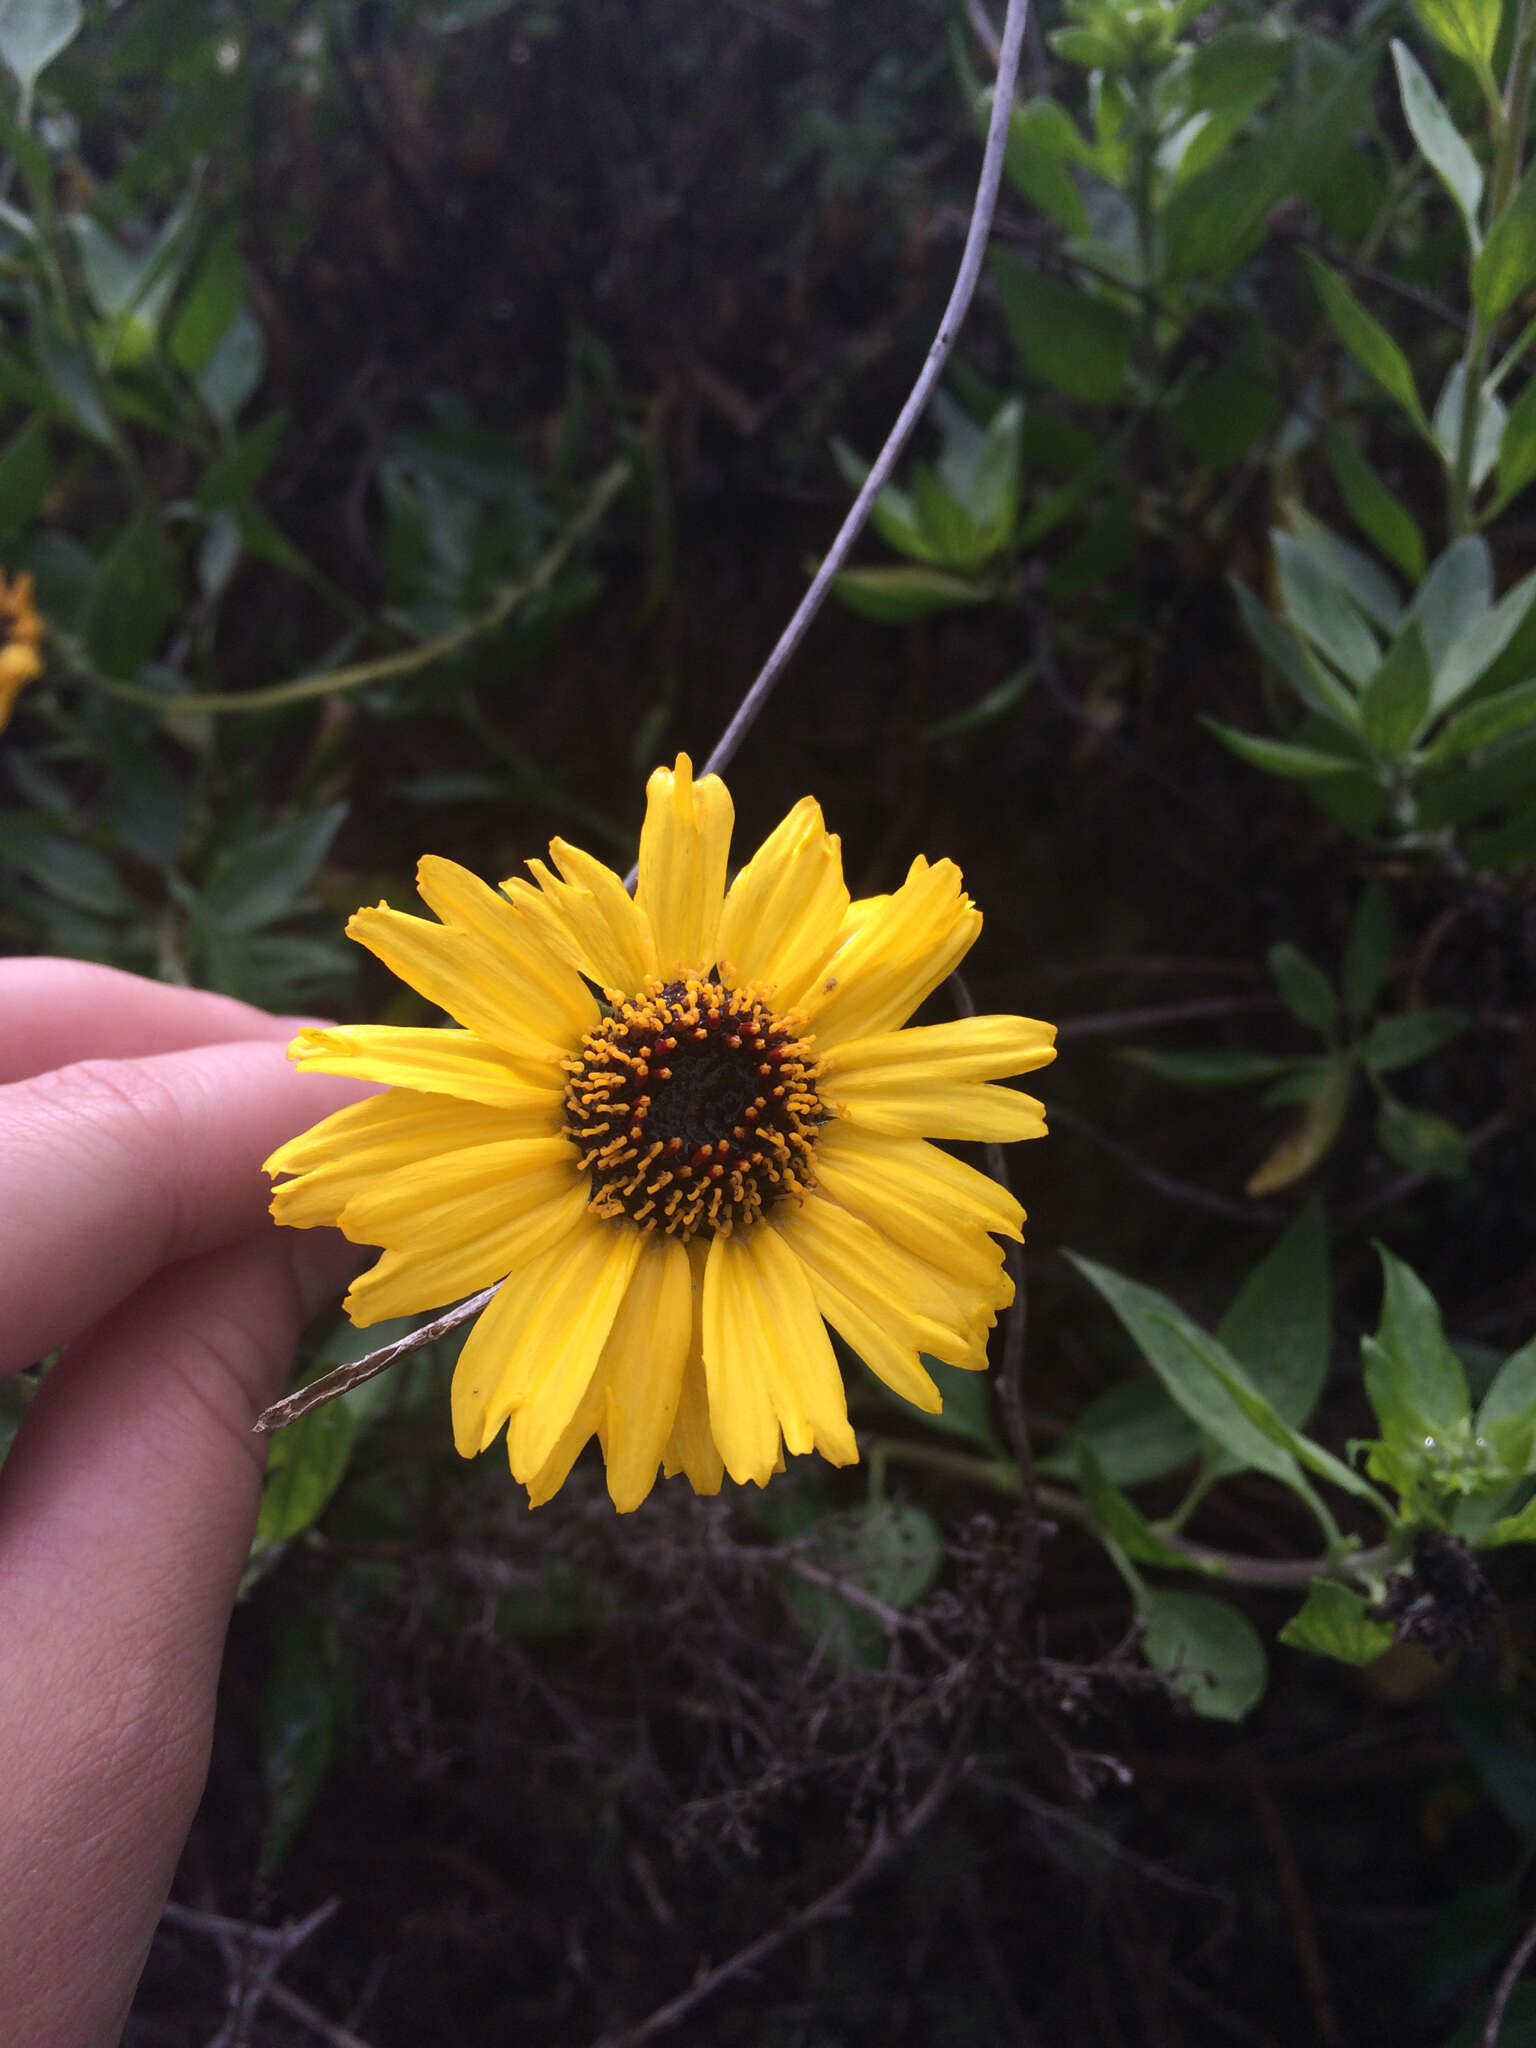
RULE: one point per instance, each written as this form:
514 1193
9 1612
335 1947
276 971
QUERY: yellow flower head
21 632
681 1182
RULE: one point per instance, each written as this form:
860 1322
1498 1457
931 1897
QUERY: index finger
54 1012
110 1169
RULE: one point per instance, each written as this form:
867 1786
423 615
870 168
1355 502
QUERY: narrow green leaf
1394 703
1134 1431
1179 1353
1317 686
256 883
1304 988
26 471
1454 596
1279 1328
1517 450
1516 1528
897 595
1318 607
1395 1042
1382 516
1469 29
1368 951
1120 1519
1215 1069
1507 261
1336 1621
1079 345
33 33
1480 643
1311 1134
305 1466
1439 139
1209 1653
1368 342
1487 435
1367 585
1036 164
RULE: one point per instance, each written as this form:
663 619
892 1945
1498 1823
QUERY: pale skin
133 1237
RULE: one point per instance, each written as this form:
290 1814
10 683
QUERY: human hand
134 1236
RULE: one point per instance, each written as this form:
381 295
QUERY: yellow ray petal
482 1363
430 1203
968 1049
407 1280
642 1369
891 1356
976 1195
433 1061
902 1104
905 1197
691 1448
561 1342
785 909
768 1360
590 916
921 1306
684 845
485 965
344 1153
894 951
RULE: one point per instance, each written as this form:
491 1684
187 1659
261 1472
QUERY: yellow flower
682 1182
21 631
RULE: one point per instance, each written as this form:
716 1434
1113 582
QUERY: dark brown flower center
694 1108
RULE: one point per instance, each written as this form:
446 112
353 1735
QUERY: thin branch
1262 1214
1115 1023
1509 1977
346 1377
885 462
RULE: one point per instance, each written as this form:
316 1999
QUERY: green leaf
1455 596
1367 585
1179 1353
304 1468
1368 341
1220 416
1492 718
74 874
1394 703
1209 1653
1467 28
946 524
1439 139
1279 1433
1517 450
1281 757
1516 1528
1480 643
1317 606
891 1552
1035 163
1317 687
1134 1432
1487 435
255 883
1413 1379
1304 988
236 474
1513 1391
896 596
299 1725
33 33
1335 1621
1511 845
1120 1521
1085 46
26 471
1403 1041
1507 261
208 310
1421 1141
133 599
1382 516
1218 1068
1078 344
1368 951
1311 1135
967 1410
234 369
1279 1328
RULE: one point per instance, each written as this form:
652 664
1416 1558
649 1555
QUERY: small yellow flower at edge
679 1183
21 632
